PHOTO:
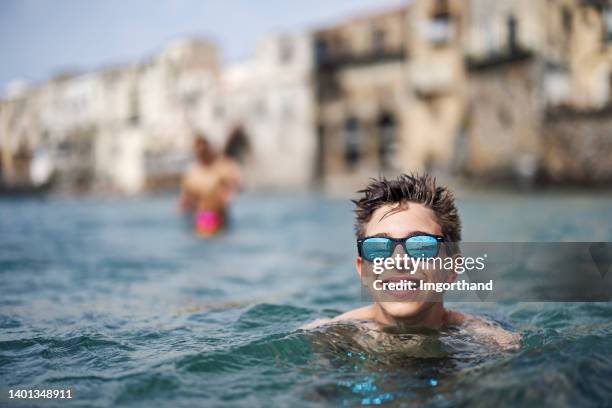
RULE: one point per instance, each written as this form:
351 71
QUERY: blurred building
120 128
539 80
515 90
577 136
361 96
131 128
19 133
265 113
500 137
390 89
436 84
174 88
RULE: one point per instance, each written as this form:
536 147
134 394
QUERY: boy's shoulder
490 331
362 313
487 330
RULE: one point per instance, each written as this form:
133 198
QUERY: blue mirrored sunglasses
419 245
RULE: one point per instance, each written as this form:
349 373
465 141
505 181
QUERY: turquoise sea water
117 301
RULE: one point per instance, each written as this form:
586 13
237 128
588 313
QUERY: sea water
117 301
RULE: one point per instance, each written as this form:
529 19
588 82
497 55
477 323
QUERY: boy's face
400 222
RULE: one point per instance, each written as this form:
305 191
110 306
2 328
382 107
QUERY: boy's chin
403 309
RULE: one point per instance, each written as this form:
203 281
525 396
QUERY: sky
39 38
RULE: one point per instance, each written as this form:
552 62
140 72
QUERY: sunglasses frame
398 241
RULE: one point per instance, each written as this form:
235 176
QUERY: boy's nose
399 249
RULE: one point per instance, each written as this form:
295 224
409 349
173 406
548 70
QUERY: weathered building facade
436 84
360 90
132 127
577 127
474 90
504 108
390 92
513 90
265 113
121 128
539 92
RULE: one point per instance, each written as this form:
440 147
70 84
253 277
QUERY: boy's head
409 205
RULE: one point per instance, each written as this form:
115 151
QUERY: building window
321 50
287 110
512 33
286 50
352 139
378 41
439 29
218 111
607 20
566 20
134 115
387 141
556 85
191 99
320 159
489 38
260 108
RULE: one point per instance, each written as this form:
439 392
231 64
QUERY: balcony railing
338 58
432 76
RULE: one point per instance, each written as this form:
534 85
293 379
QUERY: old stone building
475 90
503 121
578 53
512 90
19 134
132 127
436 75
539 92
500 139
576 133
361 94
119 128
265 113
174 88
390 92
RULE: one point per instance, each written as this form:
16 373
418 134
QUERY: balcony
338 58
432 76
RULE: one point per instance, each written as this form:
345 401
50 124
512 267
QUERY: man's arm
187 201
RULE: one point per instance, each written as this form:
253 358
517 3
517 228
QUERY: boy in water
411 214
207 188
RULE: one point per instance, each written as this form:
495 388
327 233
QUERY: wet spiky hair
409 188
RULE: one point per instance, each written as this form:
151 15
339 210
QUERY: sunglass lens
373 248
422 246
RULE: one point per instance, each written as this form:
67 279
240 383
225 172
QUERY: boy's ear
358 263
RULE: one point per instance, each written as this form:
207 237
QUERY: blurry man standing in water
208 187
415 217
